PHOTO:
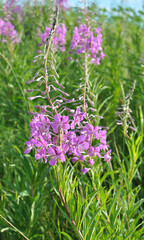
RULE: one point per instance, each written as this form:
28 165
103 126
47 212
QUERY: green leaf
65 234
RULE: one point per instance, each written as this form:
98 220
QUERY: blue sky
136 4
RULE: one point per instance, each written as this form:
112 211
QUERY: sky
136 4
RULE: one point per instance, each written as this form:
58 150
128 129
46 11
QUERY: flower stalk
14 227
66 208
86 81
86 85
57 138
47 50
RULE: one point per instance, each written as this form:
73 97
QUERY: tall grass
105 204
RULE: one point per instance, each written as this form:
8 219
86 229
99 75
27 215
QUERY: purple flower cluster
83 40
58 38
67 136
63 3
11 7
7 30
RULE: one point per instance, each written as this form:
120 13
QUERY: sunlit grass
107 204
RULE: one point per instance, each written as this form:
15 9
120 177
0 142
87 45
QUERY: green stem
67 211
86 85
14 227
59 175
47 50
86 81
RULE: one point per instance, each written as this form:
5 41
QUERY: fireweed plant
58 132
54 135
54 202
59 36
12 8
63 4
124 113
8 33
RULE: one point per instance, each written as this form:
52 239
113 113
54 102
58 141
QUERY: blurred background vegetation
28 196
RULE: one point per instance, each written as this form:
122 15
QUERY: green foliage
106 203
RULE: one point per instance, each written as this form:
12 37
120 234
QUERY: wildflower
84 40
124 113
78 117
53 140
74 159
91 162
60 123
31 144
63 3
58 38
41 154
94 151
11 7
85 170
40 126
54 154
107 156
7 30
55 137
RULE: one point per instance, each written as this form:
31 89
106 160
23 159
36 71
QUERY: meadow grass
108 202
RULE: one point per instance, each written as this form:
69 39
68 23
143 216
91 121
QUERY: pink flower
55 154
78 117
41 154
84 40
85 170
107 156
60 123
82 142
58 38
63 3
7 30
